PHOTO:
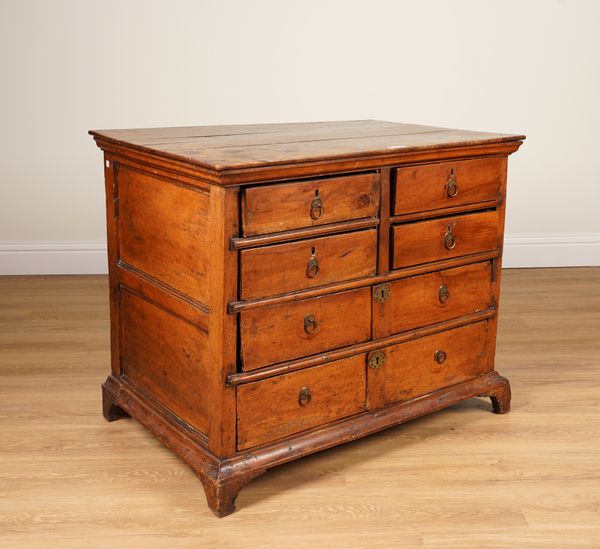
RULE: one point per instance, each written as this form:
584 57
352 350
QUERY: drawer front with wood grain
285 206
423 365
431 298
444 238
301 328
286 404
282 268
447 184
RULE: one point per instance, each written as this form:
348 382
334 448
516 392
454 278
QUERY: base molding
223 478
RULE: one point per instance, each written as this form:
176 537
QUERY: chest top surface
246 146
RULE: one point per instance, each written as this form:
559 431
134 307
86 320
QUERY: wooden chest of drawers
280 289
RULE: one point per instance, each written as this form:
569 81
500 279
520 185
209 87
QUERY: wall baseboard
57 257
572 250
89 257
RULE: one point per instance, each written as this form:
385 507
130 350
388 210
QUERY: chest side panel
167 357
163 231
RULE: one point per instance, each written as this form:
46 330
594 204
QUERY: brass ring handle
312 267
452 186
304 397
310 324
317 209
449 241
439 357
443 293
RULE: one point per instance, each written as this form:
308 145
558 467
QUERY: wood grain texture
163 230
236 147
164 238
279 406
284 332
416 302
237 306
111 196
240 243
425 187
411 369
283 268
223 284
275 208
383 234
162 353
317 167
459 478
306 362
425 241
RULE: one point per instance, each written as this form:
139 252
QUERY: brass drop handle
310 324
443 293
317 209
452 185
449 239
439 357
304 397
312 266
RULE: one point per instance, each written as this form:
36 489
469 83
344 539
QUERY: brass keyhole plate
382 293
376 359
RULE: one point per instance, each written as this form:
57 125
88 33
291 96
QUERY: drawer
279 406
420 366
292 330
307 263
285 206
431 298
437 239
447 184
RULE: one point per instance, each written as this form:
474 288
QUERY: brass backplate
382 293
376 359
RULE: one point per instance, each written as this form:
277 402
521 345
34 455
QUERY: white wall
507 65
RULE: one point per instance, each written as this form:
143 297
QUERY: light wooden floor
460 478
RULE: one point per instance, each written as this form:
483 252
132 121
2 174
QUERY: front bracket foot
110 409
500 396
221 494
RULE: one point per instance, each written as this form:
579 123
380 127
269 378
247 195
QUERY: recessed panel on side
167 357
163 231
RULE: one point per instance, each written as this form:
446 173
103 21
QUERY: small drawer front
285 206
292 330
283 405
431 298
420 366
438 239
447 184
282 268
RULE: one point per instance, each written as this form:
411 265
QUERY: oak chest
280 289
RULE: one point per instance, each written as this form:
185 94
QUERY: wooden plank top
223 148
